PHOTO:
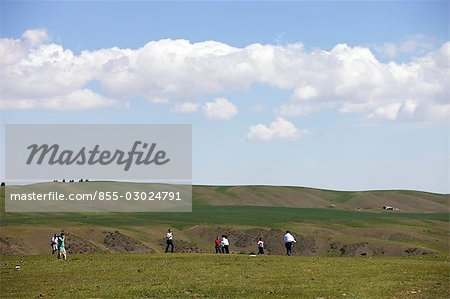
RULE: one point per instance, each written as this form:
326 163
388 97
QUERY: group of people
222 244
289 241
58 245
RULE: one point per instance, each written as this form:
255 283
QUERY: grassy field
222 276
205 214
350 222
214 205
393 233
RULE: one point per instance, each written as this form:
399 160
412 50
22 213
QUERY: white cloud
388 112
185 108
416 45
35 37
354 81
219 110
279 129
78 100
348 79
389 49
306 92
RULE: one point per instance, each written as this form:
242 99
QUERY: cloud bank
38 73
279 129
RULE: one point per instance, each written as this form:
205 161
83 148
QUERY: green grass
219 276
235 276
343 197
326 225
264 216
237 215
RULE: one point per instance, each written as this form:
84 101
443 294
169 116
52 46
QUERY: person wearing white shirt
260 246
289 240
225 244
169 241
54 243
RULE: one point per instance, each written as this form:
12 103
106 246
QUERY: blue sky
268 130
101 24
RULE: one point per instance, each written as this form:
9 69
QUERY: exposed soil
200 239
181 246
392 236
118 242
245 241
10 246
417 251
78 244
368 249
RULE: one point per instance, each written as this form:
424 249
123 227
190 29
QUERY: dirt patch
200 239
400 237
334 246
11 246
354 249
307 245
417 251
245 241
392 236
78 244
181 246
369 249
118 242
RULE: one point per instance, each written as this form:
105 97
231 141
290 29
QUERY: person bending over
289 240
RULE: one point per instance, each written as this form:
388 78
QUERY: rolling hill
325 223
300 197
281 196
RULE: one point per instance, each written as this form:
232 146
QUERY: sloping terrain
281 196
326 223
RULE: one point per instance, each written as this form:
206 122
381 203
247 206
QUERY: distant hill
300 197
286 196
325 223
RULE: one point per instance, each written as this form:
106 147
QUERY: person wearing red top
218 245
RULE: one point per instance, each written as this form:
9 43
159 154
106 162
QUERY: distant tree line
71 181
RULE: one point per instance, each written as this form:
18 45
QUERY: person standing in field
218 245
289 240
260 246
169 241
54 243
225 244
62 254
